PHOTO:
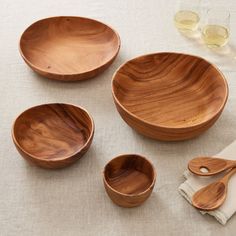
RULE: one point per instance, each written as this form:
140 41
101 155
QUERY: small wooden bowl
129 180
53 135
169 96
69 48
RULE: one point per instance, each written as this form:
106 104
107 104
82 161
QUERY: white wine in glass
215 32
215 35
187 15
186 20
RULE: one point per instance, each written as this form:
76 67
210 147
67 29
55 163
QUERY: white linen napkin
193 183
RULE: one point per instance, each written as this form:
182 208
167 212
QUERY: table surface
72 201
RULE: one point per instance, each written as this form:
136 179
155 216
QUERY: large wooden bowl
69 48
53 135
129 180
169 96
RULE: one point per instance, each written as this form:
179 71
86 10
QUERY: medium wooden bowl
53 135
169 96
69 48
129 180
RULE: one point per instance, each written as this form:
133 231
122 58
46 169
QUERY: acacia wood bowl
53 135
129 180
69 48
169 96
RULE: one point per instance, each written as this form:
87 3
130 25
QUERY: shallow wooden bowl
69 48
53 135
169 96
129 180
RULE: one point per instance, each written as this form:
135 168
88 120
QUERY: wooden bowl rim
164 126
68 74
57 158
125 194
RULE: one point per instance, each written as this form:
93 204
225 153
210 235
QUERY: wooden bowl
53 135
169 96
69 48
129 180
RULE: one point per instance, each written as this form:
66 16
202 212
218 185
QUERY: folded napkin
193 183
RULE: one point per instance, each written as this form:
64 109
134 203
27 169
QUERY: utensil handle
226 178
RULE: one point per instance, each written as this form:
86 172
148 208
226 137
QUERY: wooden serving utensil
206 166
213 195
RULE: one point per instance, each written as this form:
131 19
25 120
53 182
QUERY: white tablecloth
72 201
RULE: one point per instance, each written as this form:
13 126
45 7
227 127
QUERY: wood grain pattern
210 164
129 180
53 135
169 96
69 48
212 196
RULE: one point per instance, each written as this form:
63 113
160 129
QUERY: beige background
72 201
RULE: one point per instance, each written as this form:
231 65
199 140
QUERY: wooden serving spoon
206 166
213 195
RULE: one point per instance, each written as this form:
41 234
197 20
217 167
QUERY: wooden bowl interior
52 131
170 89
129 174
68 45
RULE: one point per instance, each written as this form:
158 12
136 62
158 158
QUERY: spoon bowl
208 202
